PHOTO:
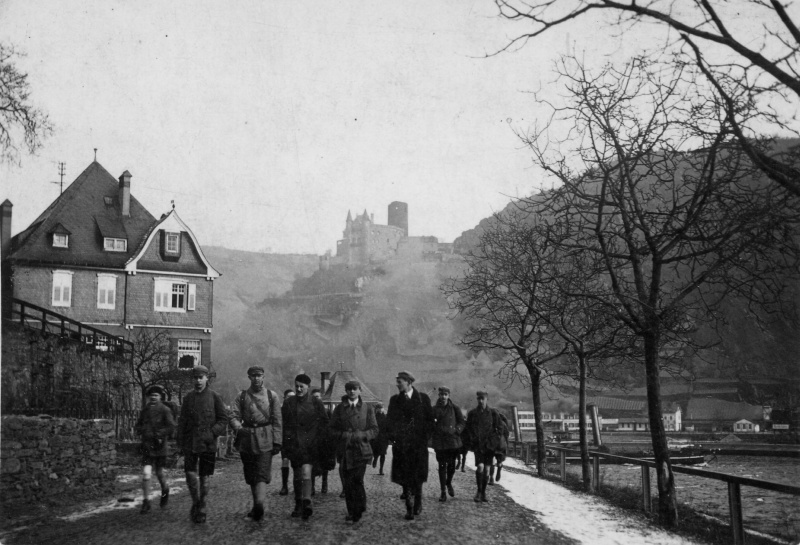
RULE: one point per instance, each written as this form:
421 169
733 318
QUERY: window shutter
192 296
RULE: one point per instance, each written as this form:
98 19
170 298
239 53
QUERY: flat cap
444 390
255 370
482 393
352 385
155 388
405 375
199 370
303 378
379 405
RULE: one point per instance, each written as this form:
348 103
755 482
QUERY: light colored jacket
260 415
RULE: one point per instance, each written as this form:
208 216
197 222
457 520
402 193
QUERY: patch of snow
577 516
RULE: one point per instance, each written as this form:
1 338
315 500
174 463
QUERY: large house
98 256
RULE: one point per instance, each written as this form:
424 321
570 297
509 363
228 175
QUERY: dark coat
354 428
483 429
203 419
305 425
381 442
409 426
155 425
449 423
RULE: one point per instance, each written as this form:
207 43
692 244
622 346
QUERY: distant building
364 241
96 255
709 414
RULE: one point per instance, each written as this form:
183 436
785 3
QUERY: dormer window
60 241
115 244
173 243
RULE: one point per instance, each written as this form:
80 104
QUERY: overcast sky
266 121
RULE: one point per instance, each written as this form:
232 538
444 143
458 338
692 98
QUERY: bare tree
155 362
500 296
21 123
751 69
677 232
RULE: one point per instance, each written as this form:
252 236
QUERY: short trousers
157 462
257 468
447 455
206 461
484 457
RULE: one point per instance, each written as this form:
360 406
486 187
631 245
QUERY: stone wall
41 457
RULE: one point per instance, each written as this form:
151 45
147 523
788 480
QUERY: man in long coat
203 419
354 426
305 424
449 423
409 426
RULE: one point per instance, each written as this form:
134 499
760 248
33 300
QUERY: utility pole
61 171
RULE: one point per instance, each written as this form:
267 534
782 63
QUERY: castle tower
398 215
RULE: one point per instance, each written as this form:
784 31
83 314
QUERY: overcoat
448 424
483 429
155 425
381 442
305 426
409 426
203 419
354 428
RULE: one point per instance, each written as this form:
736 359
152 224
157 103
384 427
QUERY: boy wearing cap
155 425
354 426
256 419
409 426
449 423
380 443
203 419
482 431
305 424
286 465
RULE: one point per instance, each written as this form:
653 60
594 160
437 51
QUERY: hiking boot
443 497
284 491
258 511
307 509
145 507
298 508
450 490
164 498
497 477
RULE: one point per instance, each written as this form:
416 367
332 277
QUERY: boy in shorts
155 425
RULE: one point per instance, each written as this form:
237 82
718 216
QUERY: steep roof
88 209
718 409
335 390
616 404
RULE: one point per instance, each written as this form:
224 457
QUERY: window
115 244
172 244
60 240
188 353
174 296
106 291
62 288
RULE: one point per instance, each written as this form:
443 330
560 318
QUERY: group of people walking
312 440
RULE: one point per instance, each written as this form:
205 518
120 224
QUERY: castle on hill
364 241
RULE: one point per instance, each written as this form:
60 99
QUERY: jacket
260 415
203 419
305 426
449 423
156 424
354 428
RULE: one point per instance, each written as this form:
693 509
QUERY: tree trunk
586 471
667 501
536 376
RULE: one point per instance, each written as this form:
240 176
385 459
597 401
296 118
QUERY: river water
765 511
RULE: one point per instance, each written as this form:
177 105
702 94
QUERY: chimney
125 193
5 229
325 380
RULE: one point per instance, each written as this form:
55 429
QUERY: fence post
647 503
596 473
735 505
562 456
